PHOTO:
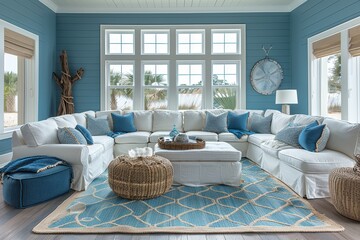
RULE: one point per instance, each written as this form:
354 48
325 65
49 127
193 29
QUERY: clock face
266 76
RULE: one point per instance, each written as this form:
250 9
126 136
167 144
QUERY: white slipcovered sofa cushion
315 162
259 138
206 136
143 120
229 137
343 136
280 121
65 121
81 117
302 119
107 142
194 120
40 133
273 147
165 121
133 137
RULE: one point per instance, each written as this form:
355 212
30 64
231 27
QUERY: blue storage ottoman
22 190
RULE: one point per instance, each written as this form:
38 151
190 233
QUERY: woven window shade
327 46
354 43
18 44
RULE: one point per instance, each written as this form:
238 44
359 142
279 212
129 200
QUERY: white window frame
350 88
173 57
107 39
190 31
31 80
224 31
109 87
155 31
186 62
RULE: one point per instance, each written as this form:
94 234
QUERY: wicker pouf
140 178
344 185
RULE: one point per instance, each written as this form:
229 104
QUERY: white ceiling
170 6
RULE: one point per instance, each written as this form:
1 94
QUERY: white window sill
8 133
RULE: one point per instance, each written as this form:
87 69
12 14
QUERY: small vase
173 132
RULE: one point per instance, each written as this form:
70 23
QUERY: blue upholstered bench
22 190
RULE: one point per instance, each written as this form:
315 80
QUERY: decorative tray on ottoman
167 143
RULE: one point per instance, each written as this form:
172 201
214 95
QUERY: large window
334 63
18 78
173 67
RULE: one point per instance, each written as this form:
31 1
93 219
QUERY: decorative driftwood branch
65 82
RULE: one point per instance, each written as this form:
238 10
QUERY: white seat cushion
315 162
133 137
213 152
206 136
155 135
95 151
273 147
259 138
106 141
229 137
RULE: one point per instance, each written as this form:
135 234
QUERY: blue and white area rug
260 204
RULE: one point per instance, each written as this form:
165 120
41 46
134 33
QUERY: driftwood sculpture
66 81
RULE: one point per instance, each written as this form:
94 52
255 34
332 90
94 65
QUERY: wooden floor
17 224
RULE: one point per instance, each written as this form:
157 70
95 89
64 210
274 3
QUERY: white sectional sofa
303 171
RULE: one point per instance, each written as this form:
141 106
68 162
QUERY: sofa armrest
74 154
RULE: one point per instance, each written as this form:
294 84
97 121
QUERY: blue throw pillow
69 135
215 123
85 133
261 124
237 121
290 135
97 126
314 137
123 123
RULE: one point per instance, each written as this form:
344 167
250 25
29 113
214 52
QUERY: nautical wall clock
266 75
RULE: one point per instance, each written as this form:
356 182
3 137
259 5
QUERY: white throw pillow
343 136
165 120
142 120
194 120
271 111
65 121
302 119
81 117
280 121
40 133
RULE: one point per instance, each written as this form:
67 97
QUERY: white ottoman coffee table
217 163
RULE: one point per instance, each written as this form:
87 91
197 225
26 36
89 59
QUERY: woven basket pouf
344 185
139 178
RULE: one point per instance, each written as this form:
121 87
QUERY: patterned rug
260 204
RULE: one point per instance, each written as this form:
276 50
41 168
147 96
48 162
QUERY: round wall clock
266 76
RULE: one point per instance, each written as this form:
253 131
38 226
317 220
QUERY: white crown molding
296 3
243 9
50 4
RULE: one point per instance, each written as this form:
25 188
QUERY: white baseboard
5 158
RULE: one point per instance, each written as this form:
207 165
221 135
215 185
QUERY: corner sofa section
303 171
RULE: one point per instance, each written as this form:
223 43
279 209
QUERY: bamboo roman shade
18 44
354 43
327 46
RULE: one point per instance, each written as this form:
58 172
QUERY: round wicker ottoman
141 177
344 185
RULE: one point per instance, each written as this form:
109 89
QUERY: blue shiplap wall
33 16
309 19
79 34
